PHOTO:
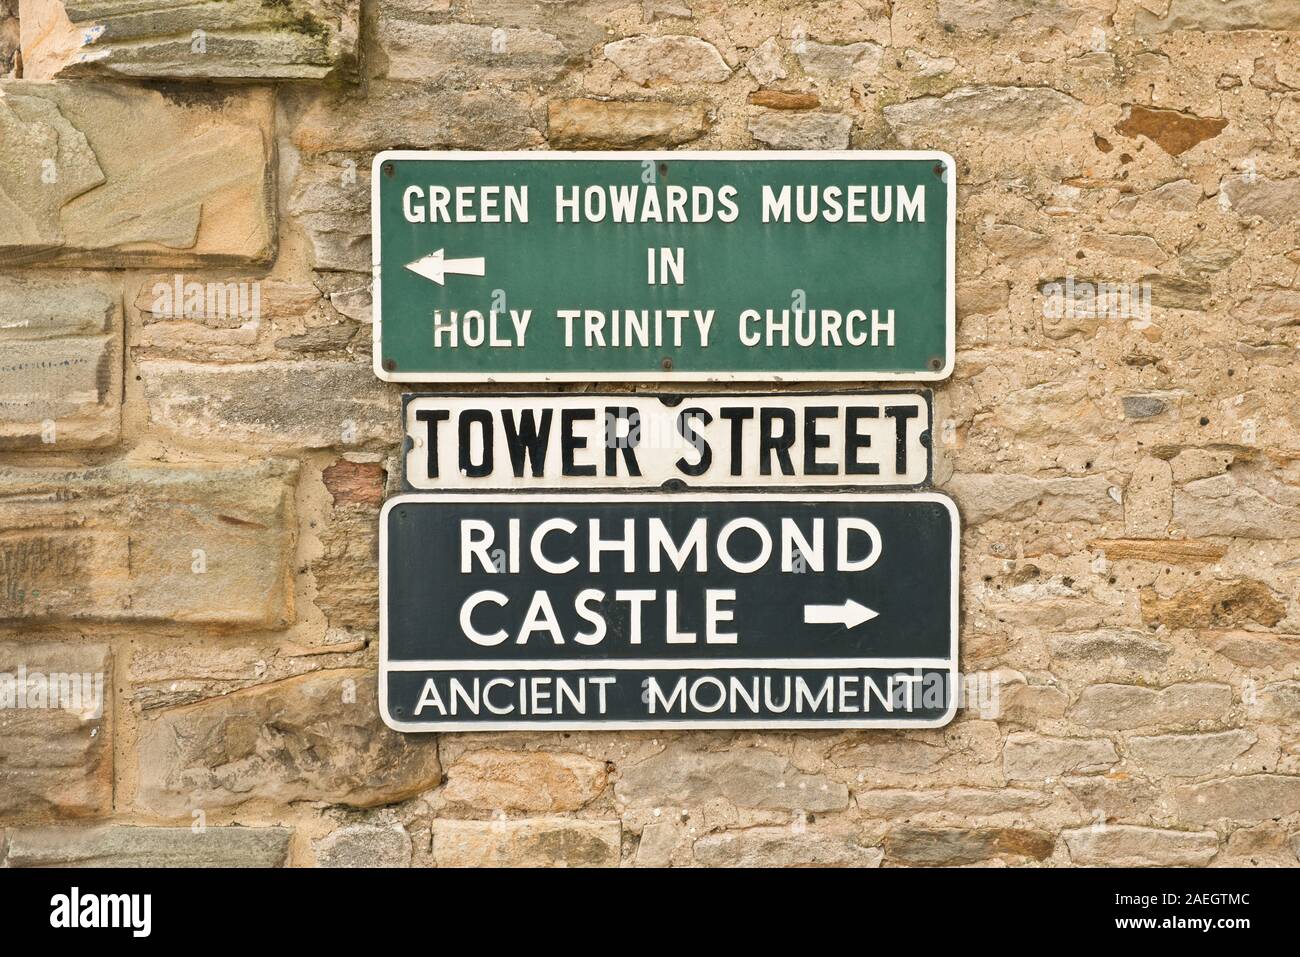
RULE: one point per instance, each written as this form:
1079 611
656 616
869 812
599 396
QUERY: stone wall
189 493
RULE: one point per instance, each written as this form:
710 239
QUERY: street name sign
685 610
639 440
667 267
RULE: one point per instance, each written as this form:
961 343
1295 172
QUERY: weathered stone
228 40
765 63
461 54
1272 307
1188 755
746 777
1129 846
658 842
1221 15
781 100
1027 756
201 192
983 497
839 61
533 842
126 846
1130 707
1278 201
365 845
530 781
410 115
891 803
1264 845
9 38
155 543
1253 650
1114 796
947 847
1142 406
347 569
332 205
1237 506
1278 702
313 738
801 131
1134 246
1132 649
233 319
783 847
61 371
1173 131
355 483
1214 605
1149 499
585 124
987 109
1249 798
996 16
654 61
982 298
56 757
275 405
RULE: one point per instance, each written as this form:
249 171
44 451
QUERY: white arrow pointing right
850 614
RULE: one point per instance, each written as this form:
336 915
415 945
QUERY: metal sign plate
480 442
667 267
694 610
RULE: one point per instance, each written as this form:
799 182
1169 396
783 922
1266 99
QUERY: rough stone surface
746 777
1126 846
127 846
201 193
534 842
365 845
495 780
1029 756
1188 755
651 60
148 543
586 124
783 847
313 738
1250 798
229 40
56 759
947 847
1130 707
800 131
61 371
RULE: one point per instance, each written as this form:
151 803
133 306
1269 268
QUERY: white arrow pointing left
435 267
850 614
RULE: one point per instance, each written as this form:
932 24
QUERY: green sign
758 266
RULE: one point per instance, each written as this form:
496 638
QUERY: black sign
689 610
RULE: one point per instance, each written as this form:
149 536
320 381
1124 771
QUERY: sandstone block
61 371
56 755
157 543
1131 649
1027 756
76 188
313 738
654 61
783 847
226 40
839 61
531 781
365 845
1255 506
531 842
948 847
1220 15
982 497
1129 846
1250 798
1188 755
125 846
1214 605
285 405
997 16
782 130
586 124
680 776
992 110
1130 707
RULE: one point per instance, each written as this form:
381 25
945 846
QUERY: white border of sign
701 664
950 318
